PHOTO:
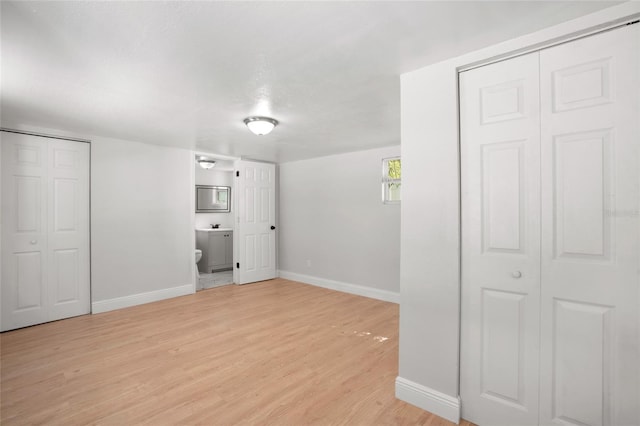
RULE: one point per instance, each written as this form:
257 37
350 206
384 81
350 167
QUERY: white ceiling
187 73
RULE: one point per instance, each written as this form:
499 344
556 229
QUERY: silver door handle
516 274
33 241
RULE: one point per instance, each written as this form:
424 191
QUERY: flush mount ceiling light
260 125
206 164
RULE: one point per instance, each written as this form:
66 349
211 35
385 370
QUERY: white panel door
589 235
500 153
45 230
24 231
68 229
590 227
256 238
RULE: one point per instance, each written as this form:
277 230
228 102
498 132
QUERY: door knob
516 274
273 227
33 241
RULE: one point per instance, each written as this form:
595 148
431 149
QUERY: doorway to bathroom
234 220
214 214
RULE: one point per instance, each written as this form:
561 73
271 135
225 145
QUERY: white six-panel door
45 229
551 232
24 231
256 239
500 161
590 140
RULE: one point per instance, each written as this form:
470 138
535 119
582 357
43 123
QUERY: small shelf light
206 164
260 125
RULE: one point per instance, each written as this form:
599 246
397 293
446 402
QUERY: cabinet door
217 250
228 249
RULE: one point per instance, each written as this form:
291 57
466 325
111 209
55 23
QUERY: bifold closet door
45 229
576 234
24 230
590 142
500 242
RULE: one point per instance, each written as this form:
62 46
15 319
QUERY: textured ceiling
187 73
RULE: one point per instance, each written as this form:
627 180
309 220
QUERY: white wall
430 223
430 267
219 178
334 229
141 223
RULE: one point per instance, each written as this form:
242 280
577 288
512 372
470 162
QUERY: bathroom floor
216 279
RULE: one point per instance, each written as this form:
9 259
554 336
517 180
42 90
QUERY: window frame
386 180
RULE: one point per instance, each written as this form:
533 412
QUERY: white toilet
198 257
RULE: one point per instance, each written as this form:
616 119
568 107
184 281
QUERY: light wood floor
276 352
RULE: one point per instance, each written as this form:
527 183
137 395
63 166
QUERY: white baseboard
140 298
360 290
438 403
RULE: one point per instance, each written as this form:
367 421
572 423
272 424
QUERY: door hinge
237 173
238 265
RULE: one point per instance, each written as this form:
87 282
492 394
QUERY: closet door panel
581 357
582 185
68 218
590 229
24 230
500 246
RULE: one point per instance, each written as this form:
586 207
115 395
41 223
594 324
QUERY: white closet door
68 229
590 227
500 152
24 231
45 230
256 218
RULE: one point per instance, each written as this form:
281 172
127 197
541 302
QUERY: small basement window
391 175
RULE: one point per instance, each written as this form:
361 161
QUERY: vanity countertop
214 229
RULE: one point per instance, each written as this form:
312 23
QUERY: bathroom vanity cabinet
217 249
